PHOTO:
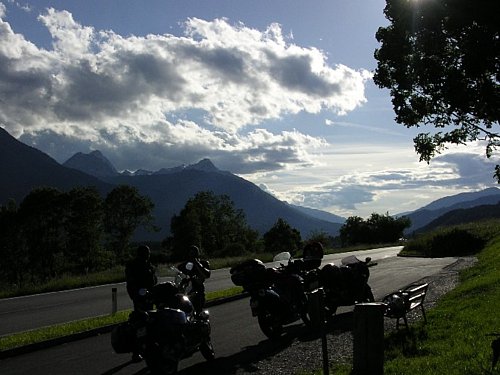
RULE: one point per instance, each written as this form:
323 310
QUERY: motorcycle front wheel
269 325
207 350
161 361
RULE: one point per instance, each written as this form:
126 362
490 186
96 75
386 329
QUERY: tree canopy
212 223
441 62
282 237
53 233
376 229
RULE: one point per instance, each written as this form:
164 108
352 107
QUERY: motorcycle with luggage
347 284
343 285
277 296
167 334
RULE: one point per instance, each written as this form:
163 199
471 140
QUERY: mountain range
23 168
423 217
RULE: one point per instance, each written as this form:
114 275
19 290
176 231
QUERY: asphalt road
30 312
237 339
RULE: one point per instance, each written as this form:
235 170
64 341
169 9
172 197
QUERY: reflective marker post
114 301
317 315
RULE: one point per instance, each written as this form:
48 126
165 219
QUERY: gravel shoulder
304 353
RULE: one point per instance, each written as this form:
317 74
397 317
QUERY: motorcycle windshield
350 260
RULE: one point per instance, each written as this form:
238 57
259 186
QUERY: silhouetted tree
440 59
13 253
84 230
42 218
125 210
282 237
376 229
213 224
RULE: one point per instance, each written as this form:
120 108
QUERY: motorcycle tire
268 325
207 350
161 362
306 317
369 294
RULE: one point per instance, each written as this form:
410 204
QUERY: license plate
141 332
314 285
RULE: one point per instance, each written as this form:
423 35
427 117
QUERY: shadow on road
117 369
246 361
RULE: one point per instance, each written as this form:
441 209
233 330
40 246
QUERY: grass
456 339
59 330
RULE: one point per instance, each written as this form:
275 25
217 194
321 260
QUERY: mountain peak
204 165
93 163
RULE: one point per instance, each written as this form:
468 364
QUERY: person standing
141 277
198 270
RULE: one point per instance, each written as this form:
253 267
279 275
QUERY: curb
90 333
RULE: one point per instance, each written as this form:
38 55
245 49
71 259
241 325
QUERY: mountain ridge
28 168
24 168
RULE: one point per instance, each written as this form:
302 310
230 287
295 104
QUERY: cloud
395 189
208 92
255 152
98 79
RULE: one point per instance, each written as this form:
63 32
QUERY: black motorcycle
277 296
169 333
347 284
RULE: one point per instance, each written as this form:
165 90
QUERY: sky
278 92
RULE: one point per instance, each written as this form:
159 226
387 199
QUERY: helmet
194 251
395 304
143 252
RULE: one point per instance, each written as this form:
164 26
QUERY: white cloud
346 185
94 79
107 91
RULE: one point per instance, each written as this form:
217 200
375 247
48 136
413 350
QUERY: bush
457 242
234 249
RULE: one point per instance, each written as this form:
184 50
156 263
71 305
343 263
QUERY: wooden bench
400 303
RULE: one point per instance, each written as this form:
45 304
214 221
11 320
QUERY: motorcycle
167 334
347 284
277 296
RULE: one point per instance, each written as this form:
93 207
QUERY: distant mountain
170 192
423 216
319 214
462 198
94 164
23 168
463 216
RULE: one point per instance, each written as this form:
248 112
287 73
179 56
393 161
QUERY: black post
114 301
317 315
368 353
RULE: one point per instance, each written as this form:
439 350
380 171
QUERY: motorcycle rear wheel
268 325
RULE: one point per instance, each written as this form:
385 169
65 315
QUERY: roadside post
316 313
114 301
368 351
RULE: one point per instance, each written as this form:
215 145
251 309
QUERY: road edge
25 349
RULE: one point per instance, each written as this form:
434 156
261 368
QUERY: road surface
237 339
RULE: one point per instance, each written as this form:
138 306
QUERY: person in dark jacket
199 271
140 276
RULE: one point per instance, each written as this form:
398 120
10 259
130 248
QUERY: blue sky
278 92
